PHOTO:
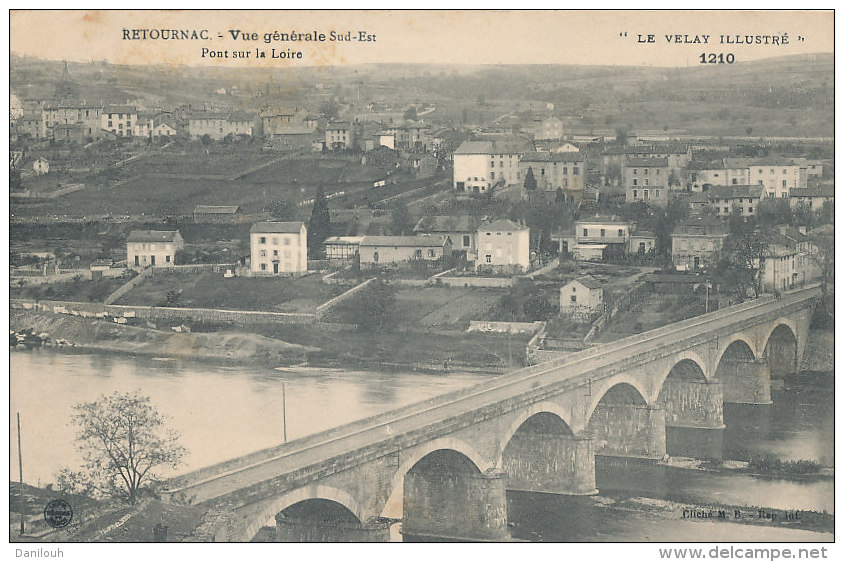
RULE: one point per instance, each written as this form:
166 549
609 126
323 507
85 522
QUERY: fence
506 327
129 285
613 308
487 282
172 314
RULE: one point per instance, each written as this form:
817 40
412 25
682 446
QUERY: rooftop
447 223
404 241
736 191
646 162
153 236
503 225
553 157
217 209
277 227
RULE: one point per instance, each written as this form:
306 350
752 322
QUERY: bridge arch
615 389
535 409
395 493
782 348
310 492
737 337
622 423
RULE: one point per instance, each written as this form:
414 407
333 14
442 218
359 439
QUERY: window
586 232
489 258
417 254
492 175
574 298
492 164
263 267
750 210
646 171
501 164
603 233
647 182
262 240
275 253
432 253
635 182
621 232
263 253
656 192
542 172
167 258
783 183
466 240
635 193
375 257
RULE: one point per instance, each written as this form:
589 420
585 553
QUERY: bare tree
122 440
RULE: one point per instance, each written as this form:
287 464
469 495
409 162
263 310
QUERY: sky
438 37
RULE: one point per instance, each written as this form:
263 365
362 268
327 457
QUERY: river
226 412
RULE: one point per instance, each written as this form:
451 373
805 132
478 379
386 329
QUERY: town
477 231
424 229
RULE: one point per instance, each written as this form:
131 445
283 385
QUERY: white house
41 166
120 120
278 248
582 298
503 246
481 165
397 250
152 247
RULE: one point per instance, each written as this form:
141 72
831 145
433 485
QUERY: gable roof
553 157
217 209
404 241
153 236
735 191
277 227
503 225
447 223
587 281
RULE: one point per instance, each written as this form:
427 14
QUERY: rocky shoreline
819 355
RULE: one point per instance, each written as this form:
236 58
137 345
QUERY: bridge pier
628 430
320 529
460 507
550 463
746 382
694 418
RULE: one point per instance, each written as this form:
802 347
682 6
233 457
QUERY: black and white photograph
429 276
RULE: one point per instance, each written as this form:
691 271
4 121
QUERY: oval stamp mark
58 514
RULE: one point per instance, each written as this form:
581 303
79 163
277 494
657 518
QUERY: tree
15 182
401 221
329 108
282 210
122 440
374 305
823 256
530 180
410 113
319 227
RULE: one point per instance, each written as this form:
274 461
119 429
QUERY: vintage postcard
422 276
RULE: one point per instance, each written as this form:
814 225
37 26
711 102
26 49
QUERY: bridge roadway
529 384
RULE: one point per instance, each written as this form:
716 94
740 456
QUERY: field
84 290
212 290
440 307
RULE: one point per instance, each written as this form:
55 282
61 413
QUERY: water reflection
221 412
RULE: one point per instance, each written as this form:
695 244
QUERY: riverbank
819 355
85 334
284 345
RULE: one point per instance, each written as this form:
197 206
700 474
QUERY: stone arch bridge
443 466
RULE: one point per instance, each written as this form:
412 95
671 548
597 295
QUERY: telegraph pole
20 473
284 410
